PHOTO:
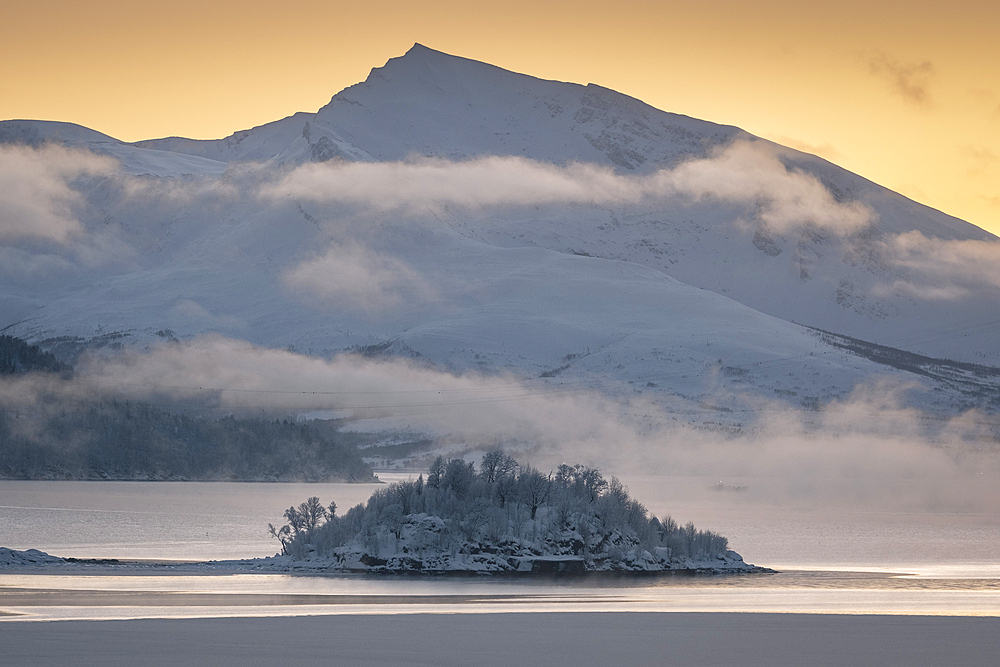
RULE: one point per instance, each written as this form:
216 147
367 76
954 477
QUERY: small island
502 519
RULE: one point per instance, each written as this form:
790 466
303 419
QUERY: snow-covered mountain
479 219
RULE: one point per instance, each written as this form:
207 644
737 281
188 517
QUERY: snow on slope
431 103
134 160
555 319
861 284
569 292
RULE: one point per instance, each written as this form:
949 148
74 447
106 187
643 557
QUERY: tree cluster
503 508
18 357
82 438
303 519
136 441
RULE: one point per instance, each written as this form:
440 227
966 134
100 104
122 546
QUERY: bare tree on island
534 488
301 521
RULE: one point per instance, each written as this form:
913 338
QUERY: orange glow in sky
905 94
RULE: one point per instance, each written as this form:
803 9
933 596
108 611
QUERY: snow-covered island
505 518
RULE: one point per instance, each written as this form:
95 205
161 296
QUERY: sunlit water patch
51 597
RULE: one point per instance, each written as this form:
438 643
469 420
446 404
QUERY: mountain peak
426 54
422 62
419 50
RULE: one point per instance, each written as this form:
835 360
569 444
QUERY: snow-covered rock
28 558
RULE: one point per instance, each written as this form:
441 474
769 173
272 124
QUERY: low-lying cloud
37 200
352 276
867 452
939 269
745 173
749 172
66 212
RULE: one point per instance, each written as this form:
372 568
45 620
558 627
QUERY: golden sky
906 94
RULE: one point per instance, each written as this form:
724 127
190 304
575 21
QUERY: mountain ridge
689 277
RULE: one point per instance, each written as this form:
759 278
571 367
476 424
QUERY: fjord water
155 520
830 562
196 521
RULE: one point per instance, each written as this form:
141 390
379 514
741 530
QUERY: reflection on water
434 585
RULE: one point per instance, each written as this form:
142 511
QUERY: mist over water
868 452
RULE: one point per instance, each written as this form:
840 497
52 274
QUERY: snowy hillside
474 219
859 281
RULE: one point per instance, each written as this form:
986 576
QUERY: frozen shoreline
552 639
33 560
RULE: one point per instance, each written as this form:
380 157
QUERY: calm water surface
830 562
156 520
217 520
73 596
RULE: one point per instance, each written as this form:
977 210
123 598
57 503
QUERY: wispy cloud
749 172
825 150
51 226
910 80
192 310
986 100
358 278
980 159
64 211
868 451
940 269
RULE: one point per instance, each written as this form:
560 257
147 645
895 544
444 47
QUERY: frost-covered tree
496 465
313 513
496 514
533 488
436 473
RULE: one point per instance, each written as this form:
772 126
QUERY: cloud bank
942 270
745 173
866 453
37 200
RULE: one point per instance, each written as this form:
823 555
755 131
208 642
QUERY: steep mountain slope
431 103
860 281
687 290
274 277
